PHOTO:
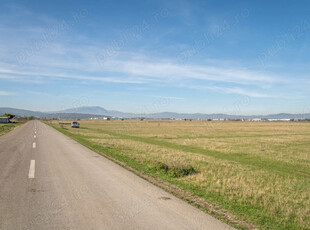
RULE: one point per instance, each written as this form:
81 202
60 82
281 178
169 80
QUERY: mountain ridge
86 112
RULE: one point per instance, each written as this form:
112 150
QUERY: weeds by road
4 128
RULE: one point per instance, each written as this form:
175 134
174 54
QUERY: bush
174 171
10 116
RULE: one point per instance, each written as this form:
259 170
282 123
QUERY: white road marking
34 145
32 169
35 136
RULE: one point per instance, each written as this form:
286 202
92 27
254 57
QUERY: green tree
10 116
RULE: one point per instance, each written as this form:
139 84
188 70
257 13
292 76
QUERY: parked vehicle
75 124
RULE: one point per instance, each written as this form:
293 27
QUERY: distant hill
74 116
21 112
87 112
50 115
97 110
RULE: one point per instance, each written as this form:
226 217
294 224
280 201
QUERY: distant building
280 119
4 120
256 119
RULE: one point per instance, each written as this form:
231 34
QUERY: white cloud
232 90
170 98
139 69
169 71
62 60
5 93
31 76
243 92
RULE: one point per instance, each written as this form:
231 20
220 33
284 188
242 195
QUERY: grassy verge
246 189
4 128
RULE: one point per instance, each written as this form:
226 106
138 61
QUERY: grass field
251 174
4 128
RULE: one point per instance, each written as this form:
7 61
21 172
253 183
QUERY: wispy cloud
170 71
231 90
133 68
141 69
5 93
243 92
170 98
25 75
61 60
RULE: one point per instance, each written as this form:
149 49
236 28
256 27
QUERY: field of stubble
247 172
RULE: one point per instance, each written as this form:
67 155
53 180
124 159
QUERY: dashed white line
34 145
32 169
35 136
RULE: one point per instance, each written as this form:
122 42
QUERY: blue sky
236 57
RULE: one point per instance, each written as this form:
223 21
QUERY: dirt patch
164 198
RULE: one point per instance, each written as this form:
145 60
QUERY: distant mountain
97 110
87 112
74 116
21 112
50 115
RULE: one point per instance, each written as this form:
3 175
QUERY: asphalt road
49 181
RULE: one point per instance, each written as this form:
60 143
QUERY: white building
4 120
280 119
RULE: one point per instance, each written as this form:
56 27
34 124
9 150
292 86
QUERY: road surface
49 181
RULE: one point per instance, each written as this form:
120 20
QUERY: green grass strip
282 168
4 128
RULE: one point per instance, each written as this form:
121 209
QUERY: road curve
49 181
